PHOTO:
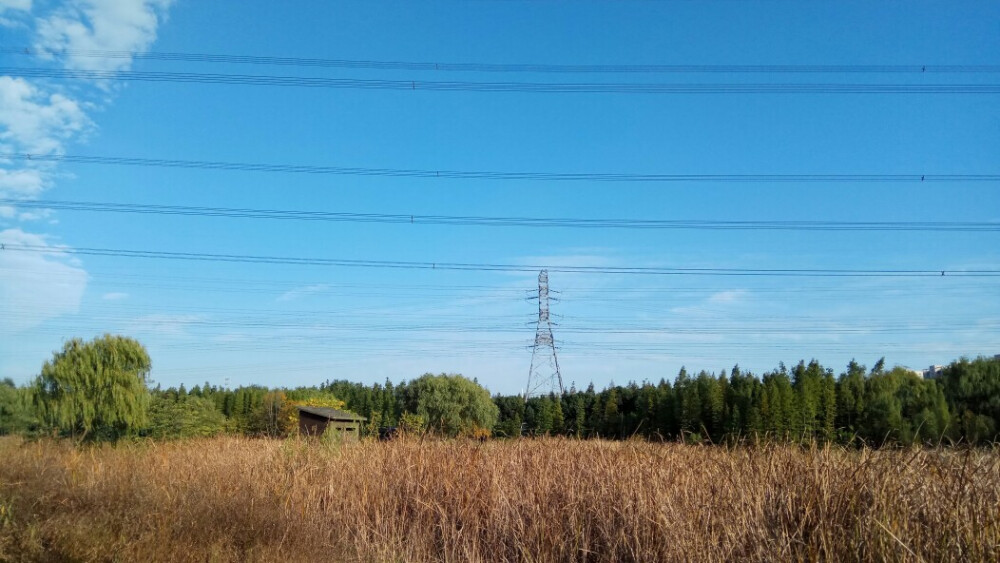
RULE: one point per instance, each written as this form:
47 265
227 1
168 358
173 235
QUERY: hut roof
331 414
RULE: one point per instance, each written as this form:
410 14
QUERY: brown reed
238 499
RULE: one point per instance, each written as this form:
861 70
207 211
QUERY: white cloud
583 258
114 296
232 337
36 286
22 182
12 12
717 303
35 122
304 291
103 25
162 324
23 5
38 121
730 296
36 215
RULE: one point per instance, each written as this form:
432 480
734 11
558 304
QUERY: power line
242 283
432 296
495 175
479 267
421 338
425 323
466 316
507 67
577 223
528 87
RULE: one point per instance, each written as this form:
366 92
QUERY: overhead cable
509 67
577 223
411 265
528 87
495 175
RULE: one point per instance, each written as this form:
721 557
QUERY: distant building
933 372
314 421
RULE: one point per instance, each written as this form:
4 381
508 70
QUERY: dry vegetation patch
237 499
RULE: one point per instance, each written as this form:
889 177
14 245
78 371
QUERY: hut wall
313 425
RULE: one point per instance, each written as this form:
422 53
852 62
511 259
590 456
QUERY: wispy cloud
24 182
23 5
12 12
37 286
35 215
714 303
163 324
43 118
102 25
232 337
304 291
575 258
114 296
728 296
34 121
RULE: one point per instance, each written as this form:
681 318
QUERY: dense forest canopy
803 403
807 402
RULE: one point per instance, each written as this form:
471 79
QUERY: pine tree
612 419
829 407
579 416
558 418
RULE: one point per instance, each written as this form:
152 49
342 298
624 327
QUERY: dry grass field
235 499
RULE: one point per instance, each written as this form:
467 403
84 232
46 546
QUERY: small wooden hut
314 421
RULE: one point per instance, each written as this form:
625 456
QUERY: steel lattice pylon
544 376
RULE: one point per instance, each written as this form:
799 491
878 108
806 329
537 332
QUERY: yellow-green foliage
451 404
186 417
290 414
278 415
16 412
549 499
413 424
95 389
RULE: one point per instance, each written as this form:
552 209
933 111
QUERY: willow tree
96 389
451 404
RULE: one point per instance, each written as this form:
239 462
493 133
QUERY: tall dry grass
234 499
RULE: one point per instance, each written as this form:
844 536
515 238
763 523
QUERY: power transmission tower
544 374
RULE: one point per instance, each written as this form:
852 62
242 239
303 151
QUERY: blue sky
299 325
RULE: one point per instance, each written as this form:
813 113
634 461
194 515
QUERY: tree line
98 390
807 402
